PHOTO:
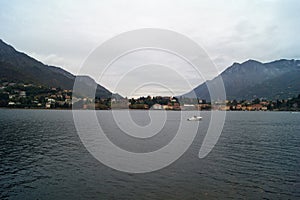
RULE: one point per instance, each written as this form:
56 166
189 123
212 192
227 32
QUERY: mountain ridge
18 66
253 79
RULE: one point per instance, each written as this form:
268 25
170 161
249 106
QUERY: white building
157 107
22 94
11 103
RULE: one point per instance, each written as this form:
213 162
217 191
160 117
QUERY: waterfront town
20 95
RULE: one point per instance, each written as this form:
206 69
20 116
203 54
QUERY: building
48 105
165 107
238 107
51 100
188 107
257 107
202 101
11 103
224 108
157 107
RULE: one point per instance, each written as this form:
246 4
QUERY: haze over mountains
19 67
252 79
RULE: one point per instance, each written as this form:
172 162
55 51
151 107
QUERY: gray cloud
63 33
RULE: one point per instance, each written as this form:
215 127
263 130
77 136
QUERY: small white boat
195 118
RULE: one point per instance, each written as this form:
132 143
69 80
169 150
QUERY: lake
257 156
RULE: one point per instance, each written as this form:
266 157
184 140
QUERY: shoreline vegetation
29 96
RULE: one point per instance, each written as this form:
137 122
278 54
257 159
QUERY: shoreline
69 109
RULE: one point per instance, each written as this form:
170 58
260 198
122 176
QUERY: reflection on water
257 156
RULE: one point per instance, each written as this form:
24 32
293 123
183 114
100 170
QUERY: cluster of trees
97 103
292 104
289 105
38 96
21 95
148 102
3 99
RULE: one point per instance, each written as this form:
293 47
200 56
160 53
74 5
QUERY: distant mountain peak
251 61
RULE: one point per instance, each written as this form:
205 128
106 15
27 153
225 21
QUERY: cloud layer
63 33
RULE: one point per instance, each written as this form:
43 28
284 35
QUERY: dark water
257 156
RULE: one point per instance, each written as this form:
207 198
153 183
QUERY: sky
64 33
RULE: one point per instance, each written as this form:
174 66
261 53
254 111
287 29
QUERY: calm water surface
257 156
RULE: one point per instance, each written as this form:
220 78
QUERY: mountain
19 67
252 79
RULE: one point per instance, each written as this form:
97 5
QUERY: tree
256 101
3 99
234 102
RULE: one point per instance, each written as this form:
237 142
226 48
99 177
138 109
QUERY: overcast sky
63 33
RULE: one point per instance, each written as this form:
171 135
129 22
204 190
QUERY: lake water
257 156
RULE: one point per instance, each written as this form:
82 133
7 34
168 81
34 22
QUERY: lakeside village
20 95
